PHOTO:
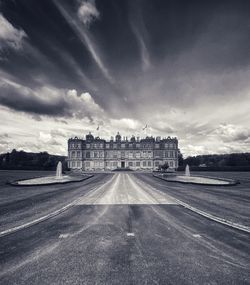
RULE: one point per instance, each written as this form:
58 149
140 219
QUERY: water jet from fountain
187 171
59 170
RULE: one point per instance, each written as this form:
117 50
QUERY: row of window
123 154
100 164
123 145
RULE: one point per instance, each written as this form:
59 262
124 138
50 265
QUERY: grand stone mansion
94 153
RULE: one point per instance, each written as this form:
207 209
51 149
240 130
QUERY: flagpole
98 133
145 129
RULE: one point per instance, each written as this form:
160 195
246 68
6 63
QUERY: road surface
124 228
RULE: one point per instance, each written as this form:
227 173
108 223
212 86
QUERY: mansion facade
94 153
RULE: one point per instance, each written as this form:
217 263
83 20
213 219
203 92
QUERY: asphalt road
125 228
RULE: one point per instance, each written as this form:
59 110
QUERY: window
73 154
72 145
87 164
78 163
87 145
137 145
96 154
149 163
114 145
157 153
130 163
130 145
123 145
115 163
157 145
138 164
166 145
171 145
87 154
101 145
171 154
144 163
73 164
78 154
171 163
157 163
107 145
79 145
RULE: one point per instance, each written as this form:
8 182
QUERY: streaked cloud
88 12
9 35
86 39
143 48
139 30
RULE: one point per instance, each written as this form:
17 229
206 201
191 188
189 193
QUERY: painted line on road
46 217
210 216
39 220
215 218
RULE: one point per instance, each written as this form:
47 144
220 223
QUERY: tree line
233 161
21 160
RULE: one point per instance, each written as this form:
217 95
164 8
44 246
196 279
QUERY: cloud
232 133
146 64
88 12
85 105
9 35
126 124
140 33
48 101
42 101
86 39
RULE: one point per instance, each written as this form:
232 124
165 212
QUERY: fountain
187 171
58 178
59 170
202 180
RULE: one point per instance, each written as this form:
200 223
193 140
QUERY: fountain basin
200 180
50 180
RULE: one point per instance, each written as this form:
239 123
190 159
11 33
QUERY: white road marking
197 235
46 217
130 234
211 217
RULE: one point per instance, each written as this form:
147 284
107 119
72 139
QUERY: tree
164 167
180 158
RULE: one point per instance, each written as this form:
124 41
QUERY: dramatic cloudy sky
181 67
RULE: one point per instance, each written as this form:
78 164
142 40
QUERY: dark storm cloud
174 37
26 101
